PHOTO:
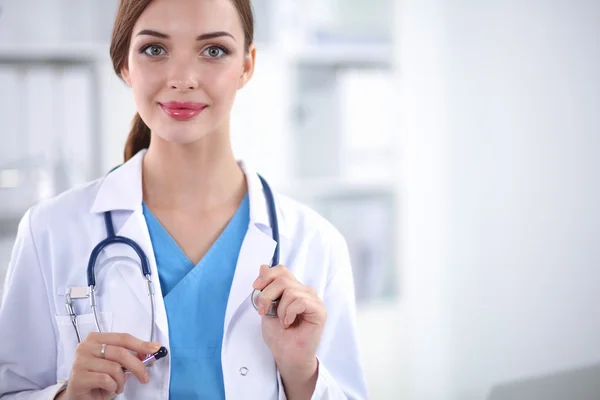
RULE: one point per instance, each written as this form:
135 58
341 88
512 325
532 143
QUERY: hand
97 378
294 336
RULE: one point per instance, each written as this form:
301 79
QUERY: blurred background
454 144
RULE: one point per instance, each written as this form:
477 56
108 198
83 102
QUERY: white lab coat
54 241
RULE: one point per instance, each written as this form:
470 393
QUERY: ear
125 74
249 60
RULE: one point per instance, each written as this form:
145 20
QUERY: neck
200 176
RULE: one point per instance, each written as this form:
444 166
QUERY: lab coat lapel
122 191
121 194
257 249
135 228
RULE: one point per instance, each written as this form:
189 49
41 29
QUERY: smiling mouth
182 111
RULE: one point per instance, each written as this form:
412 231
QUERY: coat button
243 371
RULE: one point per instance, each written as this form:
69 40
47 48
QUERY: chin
182 138
183 134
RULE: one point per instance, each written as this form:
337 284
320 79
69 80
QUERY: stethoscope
112 238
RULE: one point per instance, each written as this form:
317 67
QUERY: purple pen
152 358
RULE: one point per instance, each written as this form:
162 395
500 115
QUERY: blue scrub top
196 299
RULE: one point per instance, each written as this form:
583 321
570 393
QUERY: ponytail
138 139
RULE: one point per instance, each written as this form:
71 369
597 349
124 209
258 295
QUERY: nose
183 85
183 76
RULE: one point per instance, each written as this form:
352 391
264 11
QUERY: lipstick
182 110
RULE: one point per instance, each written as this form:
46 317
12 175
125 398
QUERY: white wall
523 189
422 372
500 131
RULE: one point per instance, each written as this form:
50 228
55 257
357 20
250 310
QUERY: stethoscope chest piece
272 309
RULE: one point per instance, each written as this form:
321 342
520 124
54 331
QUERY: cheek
223 85
145 79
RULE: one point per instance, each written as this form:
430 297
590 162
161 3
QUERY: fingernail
285 321
154 346
146 378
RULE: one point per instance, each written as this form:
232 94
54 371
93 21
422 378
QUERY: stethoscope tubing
112 238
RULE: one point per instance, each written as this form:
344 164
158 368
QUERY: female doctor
203 222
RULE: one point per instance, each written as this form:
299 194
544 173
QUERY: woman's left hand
295 334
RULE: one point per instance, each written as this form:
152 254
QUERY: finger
311 310
126 360
274 291
95 380
288 297
124 340
107 367
269 274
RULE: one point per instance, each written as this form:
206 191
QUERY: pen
152 358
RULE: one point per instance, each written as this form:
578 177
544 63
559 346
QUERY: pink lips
182 110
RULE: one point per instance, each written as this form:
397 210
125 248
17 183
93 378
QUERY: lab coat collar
259 212
122 190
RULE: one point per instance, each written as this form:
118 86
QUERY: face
186 61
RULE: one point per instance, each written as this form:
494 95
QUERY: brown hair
127 15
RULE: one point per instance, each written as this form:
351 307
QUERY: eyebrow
204 36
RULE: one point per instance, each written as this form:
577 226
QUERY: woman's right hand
95 377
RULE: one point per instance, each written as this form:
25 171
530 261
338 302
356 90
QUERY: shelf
334 187
53 54
345 55
329 55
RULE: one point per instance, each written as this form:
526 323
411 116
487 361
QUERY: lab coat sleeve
27 330
340 375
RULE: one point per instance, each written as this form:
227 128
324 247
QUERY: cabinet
52 121
52 54
43 22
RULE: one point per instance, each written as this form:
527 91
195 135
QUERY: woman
203 222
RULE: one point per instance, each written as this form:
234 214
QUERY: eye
154 50
215 52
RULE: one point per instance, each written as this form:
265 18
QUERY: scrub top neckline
168 239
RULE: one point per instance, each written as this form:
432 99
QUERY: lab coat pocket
67 338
